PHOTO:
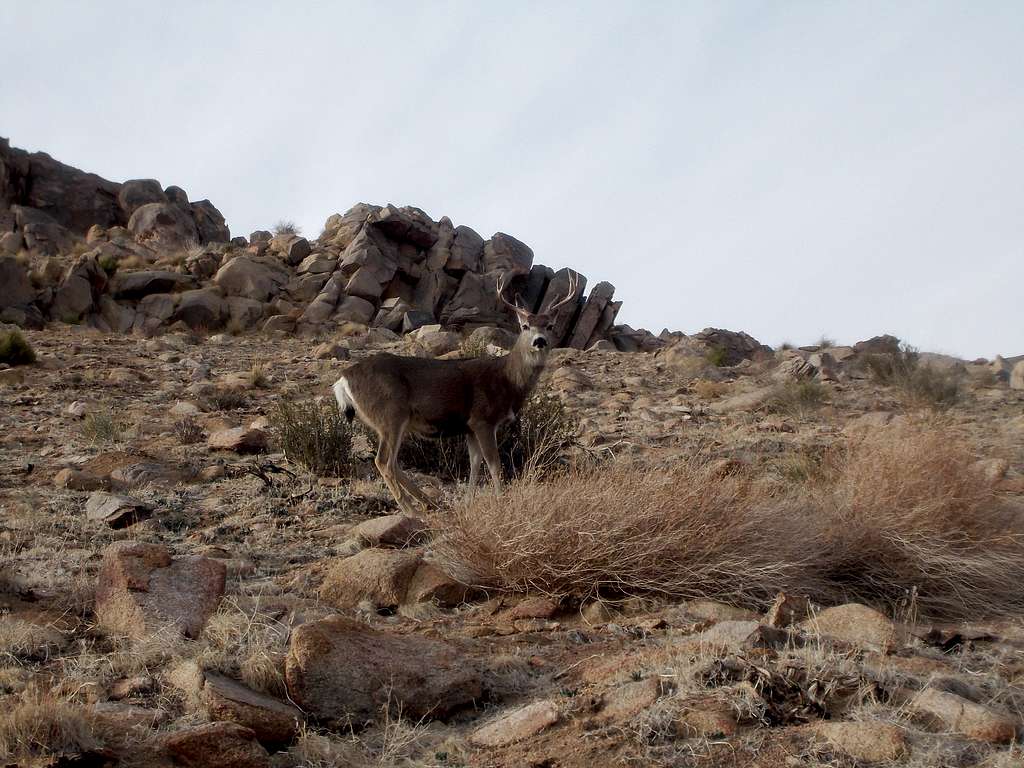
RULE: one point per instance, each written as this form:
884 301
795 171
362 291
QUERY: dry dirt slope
424 671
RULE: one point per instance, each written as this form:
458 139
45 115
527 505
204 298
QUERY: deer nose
540 342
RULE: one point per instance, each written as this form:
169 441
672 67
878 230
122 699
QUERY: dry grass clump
687 532
921 385
908 510
104 427
216 399
902 514
15 349
246 645
189 431
797 397
23 641
317 436
36 723
706 389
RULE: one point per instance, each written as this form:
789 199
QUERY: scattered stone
391 531
431 584
867 741
121 715
947 711
116 511
238 440
714 611
343 672
127 687
141 588
517 725
728 635
854 624
711 718
531 608
331 351
217 745
624 702
380 576
77 480
272 721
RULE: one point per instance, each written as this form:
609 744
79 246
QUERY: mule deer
395 396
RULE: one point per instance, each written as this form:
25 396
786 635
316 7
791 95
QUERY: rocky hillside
136 256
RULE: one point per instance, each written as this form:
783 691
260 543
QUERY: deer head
536 331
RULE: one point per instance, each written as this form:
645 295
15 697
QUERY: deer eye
526 326
551 326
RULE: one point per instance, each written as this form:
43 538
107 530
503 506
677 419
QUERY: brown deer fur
396 396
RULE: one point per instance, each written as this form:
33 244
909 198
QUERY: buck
397 396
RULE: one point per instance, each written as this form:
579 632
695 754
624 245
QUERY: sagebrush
315 435
15 349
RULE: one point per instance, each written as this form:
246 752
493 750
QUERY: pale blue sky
790 169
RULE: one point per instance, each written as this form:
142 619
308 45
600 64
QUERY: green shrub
104 427
716 356
108 263
316 436
15 349
920 385
472 348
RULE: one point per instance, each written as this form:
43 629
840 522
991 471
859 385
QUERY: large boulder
135 285
80 290
291 248
210 222
466 253
74 199
164 225
251 278
201 309
345 673
590 315
557 290
729 347
41 231
15 288
503 252
136 193
370 263
142 589
1017 376
406 225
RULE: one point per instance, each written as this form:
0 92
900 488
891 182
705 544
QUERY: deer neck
523 366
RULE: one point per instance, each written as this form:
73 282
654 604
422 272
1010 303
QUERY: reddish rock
344 672
866 741
140 588
380 576
273 721
949 712
516 725
787 610
532 608
239 440
217 745
391 531
431 584
854 624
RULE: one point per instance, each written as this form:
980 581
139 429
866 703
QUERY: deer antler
570 295
500 288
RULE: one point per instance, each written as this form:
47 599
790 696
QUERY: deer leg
414 490
487 440
475 458
387 464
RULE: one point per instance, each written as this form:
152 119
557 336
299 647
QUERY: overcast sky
790 169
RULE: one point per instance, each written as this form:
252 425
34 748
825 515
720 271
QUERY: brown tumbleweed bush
685 532
902 514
